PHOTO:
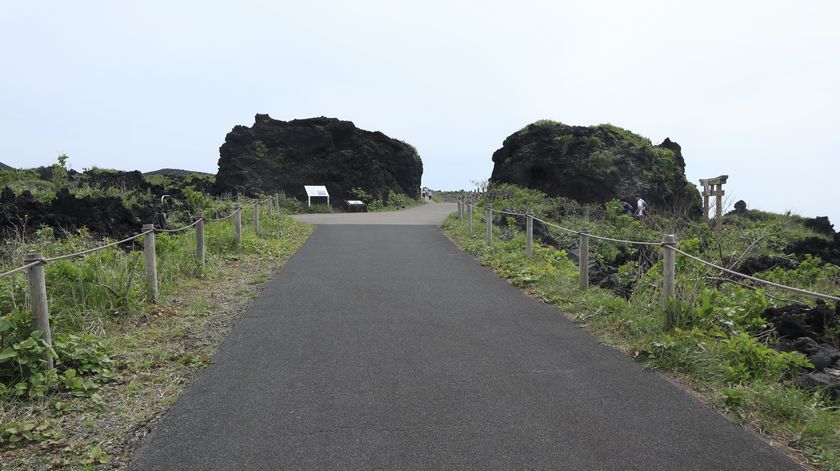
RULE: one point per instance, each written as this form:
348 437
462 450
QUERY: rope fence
758 280
668 244
222 218
18 269
180 229
34 263
95 249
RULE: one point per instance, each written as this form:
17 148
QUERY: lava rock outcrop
274 155
802 329
102 216
596 164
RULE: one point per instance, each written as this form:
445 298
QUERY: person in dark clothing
628 208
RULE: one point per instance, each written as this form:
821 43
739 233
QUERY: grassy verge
732 370
120 360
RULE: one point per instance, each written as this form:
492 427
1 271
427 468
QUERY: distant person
628 208
641 207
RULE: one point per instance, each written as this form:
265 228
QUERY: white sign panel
314 191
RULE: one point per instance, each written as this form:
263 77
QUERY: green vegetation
119 359
721 346
540 122
624 134
133 188
392 202
19 181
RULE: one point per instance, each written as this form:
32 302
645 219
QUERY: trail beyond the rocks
381 345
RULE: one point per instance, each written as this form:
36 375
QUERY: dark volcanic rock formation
4 166
827 250
821 225
802 329
104 216
596 164
275 155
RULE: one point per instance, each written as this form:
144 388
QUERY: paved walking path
385 347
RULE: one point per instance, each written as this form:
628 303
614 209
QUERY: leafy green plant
22 365
97 456
743 359
29 431
361 195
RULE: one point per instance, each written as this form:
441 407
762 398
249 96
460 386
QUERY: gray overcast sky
748 88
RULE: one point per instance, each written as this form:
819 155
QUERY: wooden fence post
151 261
237 225
257 218
669 273
460 210
583 259
469 218
269 205
38 299
489 217
529 233
199 238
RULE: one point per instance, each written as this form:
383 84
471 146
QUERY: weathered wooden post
488 216
256 218
269 206
199 238
38 300
529 232
151 261
669 273
583 259
460 210
237 224
469 218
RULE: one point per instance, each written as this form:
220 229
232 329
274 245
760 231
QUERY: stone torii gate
714 187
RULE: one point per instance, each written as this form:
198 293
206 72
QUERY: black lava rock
821 225
102 216
596 164
273 156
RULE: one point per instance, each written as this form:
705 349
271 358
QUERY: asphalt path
385 347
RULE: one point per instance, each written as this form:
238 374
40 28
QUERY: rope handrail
96 249
622 241
570 231
180 228
752 278
112 244
609 239
511 213
18 269
697 259
224 218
